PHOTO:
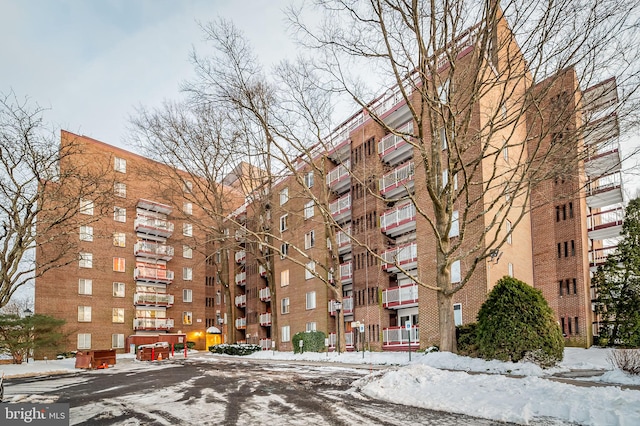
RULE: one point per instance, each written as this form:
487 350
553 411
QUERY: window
576 330
309 270
284 196
187 252
309 239
118 264
187 295
284 250
84 286
118 289
187 208
443 92
188 186
505 153
309 210
119 239
510 269
86 233
120 165
455 272
84 341
283 223
117 315
120 189
285 334
455 182
509 239
284 305
187 318
443 138
86 260
117 341
455 230
284 278
84 313
86 207
119 214
311 326
445 178
187 274
457 314
308 179
187 229
311 300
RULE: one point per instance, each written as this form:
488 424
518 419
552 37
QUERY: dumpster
96 359
153 352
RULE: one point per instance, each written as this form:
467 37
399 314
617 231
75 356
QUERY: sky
428 381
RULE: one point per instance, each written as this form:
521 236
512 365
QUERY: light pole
27 313
338 306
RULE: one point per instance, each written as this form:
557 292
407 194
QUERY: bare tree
41 193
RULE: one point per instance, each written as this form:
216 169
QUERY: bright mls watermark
34 414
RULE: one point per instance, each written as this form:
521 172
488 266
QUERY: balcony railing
339 179
262 270
241 278
400 297
241 323
151 274
399 220
153 299
153 206
599 256
346 272
391 107
396 337
265 344
152 323
153 226
605 224
347 305
398 182
241 256
341 208
405 256
394 148
348 338
343 240
605 191
241 301
265 294
153 250
265 319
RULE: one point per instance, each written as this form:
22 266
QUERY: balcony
601 131
394 149
399 220
153 299
265 344
338 143
603 161
397 338
262 270
241 301
152 323
598 257
398 182
339 179
153 226
341 209
605 224
241 256
605 191
265 319
153 250
241 323
392 107
600 96
153 206
405 256
343 240
348 339
404 296
241 235
265 294
153 275
347 305
241 279
346 273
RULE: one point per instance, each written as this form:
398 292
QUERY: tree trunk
447 324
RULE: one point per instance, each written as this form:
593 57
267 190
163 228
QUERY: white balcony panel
341 209
241 301
265 294
598 257
152 323
265 319
605 191
241 323
153 226
392 107
154 206
346 273
153 299
405 296
343 240
241 256
601 131
265 344
347 305
153 250
405 256
241 278
152 275
339 179
393 148
399 220
604 161
605 224
600 96
398 182
399 336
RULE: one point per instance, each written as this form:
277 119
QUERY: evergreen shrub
515 323
236 349
313 341
466 336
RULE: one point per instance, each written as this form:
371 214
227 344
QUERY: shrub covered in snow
239 349
313 341
627 360
516 323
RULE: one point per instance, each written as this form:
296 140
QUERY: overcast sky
93 62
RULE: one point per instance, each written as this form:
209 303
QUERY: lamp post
28 313
338 306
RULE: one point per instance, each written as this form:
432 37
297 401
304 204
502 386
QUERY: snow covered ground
440 381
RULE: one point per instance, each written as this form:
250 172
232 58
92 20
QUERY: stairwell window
86 260
455 230
84 313
86 207
119 264
284 196
309 239
187 295
309 271
84 340
311 300
187 208
117 315
120 165
284 223
117 341
284 305
284 250
455 272
309 209
118 289
119 214
457 314
284 278
187 274
187 229
187 252
509 232
85 286
86 233
119 239
286 333
120 189
187 318
308 179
